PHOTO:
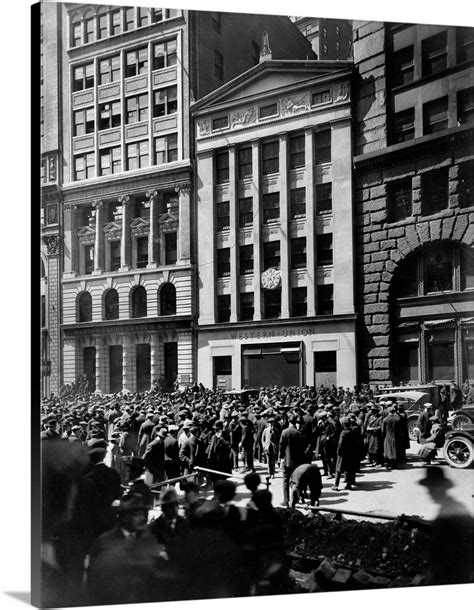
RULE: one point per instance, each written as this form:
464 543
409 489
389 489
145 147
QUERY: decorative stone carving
151 193
52 168
341 91
184 187
140 227
53 245
271 278
204 127
266 52
243 117
124 199
290 105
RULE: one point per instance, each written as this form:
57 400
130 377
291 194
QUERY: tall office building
330 38
121 82
414 172
275 226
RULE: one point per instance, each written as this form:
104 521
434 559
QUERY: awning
448 322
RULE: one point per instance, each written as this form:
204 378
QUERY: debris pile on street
332 553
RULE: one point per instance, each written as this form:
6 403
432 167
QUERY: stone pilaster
309 224
257 254
184 226
233 238
284 230
153 232
125 243
99 249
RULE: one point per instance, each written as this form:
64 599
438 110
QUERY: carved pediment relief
294 104
140 226
168 222
86 232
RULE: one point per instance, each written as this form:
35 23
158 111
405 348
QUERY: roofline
279 64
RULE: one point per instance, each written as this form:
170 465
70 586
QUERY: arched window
84 310
111 305
139 302
168 300
76 30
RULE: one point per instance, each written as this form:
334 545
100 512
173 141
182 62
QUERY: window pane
438 271
407 358
441 361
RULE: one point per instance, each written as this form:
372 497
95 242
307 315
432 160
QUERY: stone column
127 364
99 253
257 265
233 238
152 234
71 244
125 248
100 364
309 224
154 359
284 230
184 226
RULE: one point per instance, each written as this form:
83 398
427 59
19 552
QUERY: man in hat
219 455
435 441
135 475
172 462
154 456
107 484
247 442
423 423
187 450
145 432
270 444
451 548
392 438
170 529
373 435
50 432
235 436
304 477
291 452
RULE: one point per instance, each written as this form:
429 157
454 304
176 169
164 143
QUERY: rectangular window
216 21
137 155
220 123
434 54
438 271
166 149
170 203
129 19
83 77
165 101
222 216
466 106
246 306
115 255
142 209
143 17
109 70
245 162
270 157
136 109
223 308
83 121
321 97
272 304
171 248
164 54
246 259
402 67
298 203
142 252
157 15
299 301
271 207
102 26
298 253
466 184
223 262
267 111
110 161
222 167
403 126
400 200
435 115
171 13
136 62
407 359
322 146
89 30
76 34
116 22
434 191
271 254
88 259
297 158
325 299
245 212
324 253
218 65
441 356
324 198
464 44
84 166
109 115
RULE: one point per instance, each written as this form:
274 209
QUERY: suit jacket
155 457
291 447
187 453
219 454
108 488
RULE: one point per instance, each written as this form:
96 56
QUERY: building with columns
125 78
275 226
414 202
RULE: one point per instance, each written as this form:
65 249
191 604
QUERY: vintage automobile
462 417
413 402
459 447
243 395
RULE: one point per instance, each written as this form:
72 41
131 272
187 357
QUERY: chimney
266 52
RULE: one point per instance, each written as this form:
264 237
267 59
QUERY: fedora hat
168 496
435 478
129 502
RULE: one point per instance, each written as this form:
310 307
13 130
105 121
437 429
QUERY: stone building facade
330 38
120 249
275 227
414 202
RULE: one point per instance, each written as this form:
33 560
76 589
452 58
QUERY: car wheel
460 420
459 452
413 429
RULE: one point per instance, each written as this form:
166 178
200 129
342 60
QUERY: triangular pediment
167 218
111 227
83 231
139 223
273 78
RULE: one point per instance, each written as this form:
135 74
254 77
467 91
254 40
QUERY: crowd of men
107 458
